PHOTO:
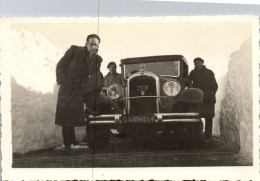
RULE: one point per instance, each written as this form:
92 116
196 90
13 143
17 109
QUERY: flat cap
111 63
198 59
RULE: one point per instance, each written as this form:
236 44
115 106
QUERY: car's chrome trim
160 114
136 97
141 73
181 120
100 119
105 116
102 122
157 121
113 85
178 114
177 82
160 118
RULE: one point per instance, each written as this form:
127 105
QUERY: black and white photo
173 93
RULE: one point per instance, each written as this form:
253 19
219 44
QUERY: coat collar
85 51
202 69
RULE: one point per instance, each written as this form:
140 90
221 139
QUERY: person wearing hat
204 79
111 78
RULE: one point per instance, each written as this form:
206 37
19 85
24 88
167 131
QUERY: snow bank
34 92
33 60
33 116
235 115
219 96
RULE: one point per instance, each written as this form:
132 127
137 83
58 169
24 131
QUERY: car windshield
167 68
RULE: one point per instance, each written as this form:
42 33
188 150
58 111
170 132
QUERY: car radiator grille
142 86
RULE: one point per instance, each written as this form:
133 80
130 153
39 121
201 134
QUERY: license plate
139 119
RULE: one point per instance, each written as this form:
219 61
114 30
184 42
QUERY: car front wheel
193 135
97 137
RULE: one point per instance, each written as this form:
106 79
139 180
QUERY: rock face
34 92
235 114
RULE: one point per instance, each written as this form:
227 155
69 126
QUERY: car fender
191 95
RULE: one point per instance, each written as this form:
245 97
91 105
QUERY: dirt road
122 152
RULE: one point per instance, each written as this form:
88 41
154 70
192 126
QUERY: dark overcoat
72 69
204 79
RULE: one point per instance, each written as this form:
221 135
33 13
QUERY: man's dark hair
93 36
111 63
198 59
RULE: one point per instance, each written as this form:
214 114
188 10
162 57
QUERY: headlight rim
115 84
176 82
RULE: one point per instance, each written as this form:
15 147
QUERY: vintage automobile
155 98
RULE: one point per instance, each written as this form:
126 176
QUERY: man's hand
185 81
93 52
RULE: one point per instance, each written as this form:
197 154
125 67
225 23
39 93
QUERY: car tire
97 137
196 134
193 136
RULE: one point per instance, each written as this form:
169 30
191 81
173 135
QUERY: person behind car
75 68
111 78
204 79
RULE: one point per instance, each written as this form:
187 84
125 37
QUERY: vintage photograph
130 92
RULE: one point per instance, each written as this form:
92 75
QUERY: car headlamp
171 88
114 91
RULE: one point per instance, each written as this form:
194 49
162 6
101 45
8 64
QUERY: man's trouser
208 127
69 136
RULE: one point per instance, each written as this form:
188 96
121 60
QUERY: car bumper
158 118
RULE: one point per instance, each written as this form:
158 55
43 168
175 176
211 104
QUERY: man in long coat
76 66
204 79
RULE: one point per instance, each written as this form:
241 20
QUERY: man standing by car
75 67
204 79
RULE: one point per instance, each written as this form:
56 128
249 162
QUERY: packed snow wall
33 116
219 96
235 117
34 92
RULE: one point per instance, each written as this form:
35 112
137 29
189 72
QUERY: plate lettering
139 119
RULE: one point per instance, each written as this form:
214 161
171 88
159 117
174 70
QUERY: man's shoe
68 150
207 137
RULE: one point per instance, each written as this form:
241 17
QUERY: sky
117 8
212 41
111 8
